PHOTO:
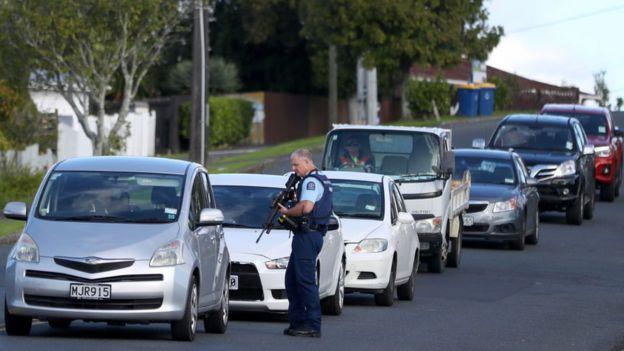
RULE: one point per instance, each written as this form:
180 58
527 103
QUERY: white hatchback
381 242
258 269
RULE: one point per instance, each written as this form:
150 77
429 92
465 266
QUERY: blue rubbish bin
468 96
486 99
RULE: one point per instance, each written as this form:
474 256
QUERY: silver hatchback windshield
111 197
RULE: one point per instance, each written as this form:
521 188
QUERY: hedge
230 120
420 94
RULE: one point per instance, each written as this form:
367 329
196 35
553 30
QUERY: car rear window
593 123
534 137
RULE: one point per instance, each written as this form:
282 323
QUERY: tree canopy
79 52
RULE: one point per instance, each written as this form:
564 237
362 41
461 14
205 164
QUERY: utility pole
333 86
199 91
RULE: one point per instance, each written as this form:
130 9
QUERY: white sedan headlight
431 225
278 263
26 250
371 246
504 206
168 255
565 169
603 151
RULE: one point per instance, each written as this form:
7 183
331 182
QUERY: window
198 201
522 175
357 199
120 197
486 170
396 153
534 137
399 199
250 213
210 203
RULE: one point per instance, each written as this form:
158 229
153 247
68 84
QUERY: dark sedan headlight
505 206
566 168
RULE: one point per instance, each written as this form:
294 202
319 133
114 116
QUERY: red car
607 141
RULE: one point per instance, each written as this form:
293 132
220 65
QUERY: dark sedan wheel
574 213
534 237
588 210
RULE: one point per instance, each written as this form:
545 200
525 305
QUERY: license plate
233 282
424 246
468 221
90 291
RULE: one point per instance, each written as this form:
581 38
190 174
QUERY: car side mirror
16 210
478 143
588 150
448 162
333 223
531 182
405 218
618 132
210 216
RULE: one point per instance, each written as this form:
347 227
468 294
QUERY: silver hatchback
120 240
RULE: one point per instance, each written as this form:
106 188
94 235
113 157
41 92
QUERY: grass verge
9 226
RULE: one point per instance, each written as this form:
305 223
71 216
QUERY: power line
585 15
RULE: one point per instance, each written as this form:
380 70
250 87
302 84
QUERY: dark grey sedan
503 198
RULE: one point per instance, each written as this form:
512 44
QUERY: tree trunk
333 87
100 140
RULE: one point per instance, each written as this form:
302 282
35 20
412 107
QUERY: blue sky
566 52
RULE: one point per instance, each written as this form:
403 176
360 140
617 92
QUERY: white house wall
73 142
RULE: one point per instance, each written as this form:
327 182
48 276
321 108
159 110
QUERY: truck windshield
534 137
250 213
485 170
357 199
594 124
411 156
111 197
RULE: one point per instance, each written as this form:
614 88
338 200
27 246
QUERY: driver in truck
353 156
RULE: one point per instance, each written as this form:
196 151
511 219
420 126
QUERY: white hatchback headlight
26 250
431 225
565 169
278 263
371 245
504 206
603 151
168 255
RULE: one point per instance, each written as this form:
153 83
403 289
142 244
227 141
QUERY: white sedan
258 269
380 236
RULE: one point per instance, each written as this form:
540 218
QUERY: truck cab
420 160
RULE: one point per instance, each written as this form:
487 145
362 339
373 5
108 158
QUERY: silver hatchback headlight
168 255
26 250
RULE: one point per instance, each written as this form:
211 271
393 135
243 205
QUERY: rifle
282 198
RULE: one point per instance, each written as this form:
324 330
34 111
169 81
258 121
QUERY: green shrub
506 89
230 120
17 183
420 94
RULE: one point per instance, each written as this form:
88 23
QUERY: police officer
314 206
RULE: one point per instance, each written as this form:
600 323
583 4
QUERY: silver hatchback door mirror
210 216
405 218
16 210
478 143
588 150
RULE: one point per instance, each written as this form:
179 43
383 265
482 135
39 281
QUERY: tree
394 35
600 87
619 103
223 77
78 46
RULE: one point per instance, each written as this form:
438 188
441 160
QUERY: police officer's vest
323 207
